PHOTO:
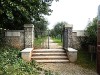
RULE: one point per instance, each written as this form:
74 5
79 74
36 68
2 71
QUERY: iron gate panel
98 50
65 38
43 36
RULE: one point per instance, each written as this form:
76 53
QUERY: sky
75 12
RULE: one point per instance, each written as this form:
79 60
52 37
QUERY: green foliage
2 37
38 42
12 64
91 32
15 13
90 37
84 60
40 27
48 73
58 29
56 40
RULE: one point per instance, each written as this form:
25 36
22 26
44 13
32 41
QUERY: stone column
67 36
29 35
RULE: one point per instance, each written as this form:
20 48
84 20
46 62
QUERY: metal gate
98 42
98 50
41 39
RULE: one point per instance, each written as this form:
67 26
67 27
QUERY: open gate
98 51
43 38
98 42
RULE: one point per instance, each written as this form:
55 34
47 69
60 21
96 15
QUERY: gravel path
65 68
52 44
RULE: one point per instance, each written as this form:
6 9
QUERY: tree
15 13
91 32
90 37
57 32
58 28
40 27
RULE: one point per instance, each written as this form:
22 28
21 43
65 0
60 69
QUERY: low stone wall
75 41
21 38
77 36
26 54
15 38
72 54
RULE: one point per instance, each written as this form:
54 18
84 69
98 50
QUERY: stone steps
49 55
52 61
48 51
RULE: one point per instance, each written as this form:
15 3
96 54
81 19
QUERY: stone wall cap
72 50
68 25
28 25
27 50
15 31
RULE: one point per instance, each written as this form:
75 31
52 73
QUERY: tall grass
57 40
38 42
84 60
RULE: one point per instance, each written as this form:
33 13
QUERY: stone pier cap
28 25
72 54
27 50
26 54
68 25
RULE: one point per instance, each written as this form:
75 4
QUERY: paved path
52 44
65 68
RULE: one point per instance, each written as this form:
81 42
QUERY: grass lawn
56 40
84 60
38 42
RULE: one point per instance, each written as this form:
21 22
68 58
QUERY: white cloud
76 12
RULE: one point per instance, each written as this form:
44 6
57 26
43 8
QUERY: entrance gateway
49 55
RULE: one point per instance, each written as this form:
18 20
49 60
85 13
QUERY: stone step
49 54
49 57
48 51
52 61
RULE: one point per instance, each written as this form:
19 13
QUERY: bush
2 37
12 64
90 35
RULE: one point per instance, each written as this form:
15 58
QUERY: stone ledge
27 50
26 54
28 25
72 54
68 25
72 50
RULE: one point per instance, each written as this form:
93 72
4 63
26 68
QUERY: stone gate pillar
29 35
67 36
